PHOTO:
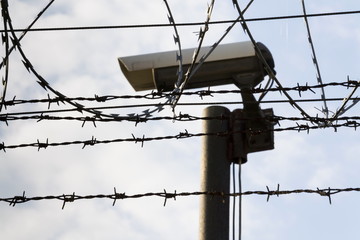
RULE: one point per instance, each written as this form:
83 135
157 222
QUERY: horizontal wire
179 104
160 95
183 24
68 198
182 135
181 118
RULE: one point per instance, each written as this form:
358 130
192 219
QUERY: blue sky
84 63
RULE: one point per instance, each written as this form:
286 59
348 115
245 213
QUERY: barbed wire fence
349 123
165 195
305 123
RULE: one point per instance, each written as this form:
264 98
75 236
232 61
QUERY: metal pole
215 177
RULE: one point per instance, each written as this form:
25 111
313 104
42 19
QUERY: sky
82 63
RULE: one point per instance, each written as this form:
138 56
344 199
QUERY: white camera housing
227 63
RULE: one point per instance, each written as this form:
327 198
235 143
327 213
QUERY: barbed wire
8 49
154 95
267 68
190 104
343 107
193 69
81 108
146 116
180 85
46 86
178 118
5 62
182 135
165 195
188 24
325 109
179 55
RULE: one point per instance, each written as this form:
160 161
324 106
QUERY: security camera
228 63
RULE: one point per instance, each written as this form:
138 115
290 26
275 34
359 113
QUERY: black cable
234 201
157 25
240 200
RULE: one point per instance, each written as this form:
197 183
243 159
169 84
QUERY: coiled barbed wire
45 85
9 50
180 86
325 109
5 62
262 59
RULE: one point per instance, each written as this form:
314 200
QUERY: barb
65 198
42 145
168 195
270 193
68 198
18 199
325 109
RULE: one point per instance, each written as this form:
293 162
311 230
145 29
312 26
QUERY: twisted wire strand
165 195
179 118
201 93
190 104
182 135
185 24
